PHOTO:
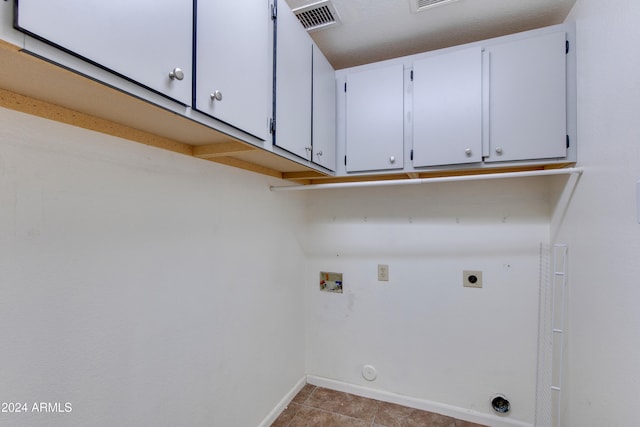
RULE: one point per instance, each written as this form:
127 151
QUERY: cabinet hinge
411 75
568 144
272 126
566 47
274 11
412 148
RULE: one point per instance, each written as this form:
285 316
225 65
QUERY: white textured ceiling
374 30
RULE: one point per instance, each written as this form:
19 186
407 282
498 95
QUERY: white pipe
385 183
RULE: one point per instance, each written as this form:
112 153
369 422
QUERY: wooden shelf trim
45 110
221 149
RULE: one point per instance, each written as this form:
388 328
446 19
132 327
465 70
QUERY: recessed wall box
331 282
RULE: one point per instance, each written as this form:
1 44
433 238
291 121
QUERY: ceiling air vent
317 16
420 5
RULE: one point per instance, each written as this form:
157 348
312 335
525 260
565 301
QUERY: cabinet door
447 108
374 119
233 63
324 111
527 99
293 84
146 41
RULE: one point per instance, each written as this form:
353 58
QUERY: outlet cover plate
472 279
383 272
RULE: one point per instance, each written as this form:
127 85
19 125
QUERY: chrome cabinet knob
309 148
468 152
319 153
498 150
392 159
216 96
176 74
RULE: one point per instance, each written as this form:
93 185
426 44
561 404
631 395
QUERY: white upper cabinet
508 100
447 108
258 77
234 63
305 94
324 111
293 84
527 99
146 41
375 119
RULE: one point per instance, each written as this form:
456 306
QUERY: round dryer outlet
369 372
500 404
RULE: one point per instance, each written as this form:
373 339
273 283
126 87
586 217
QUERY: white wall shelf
546 172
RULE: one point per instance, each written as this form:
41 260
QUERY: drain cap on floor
369 372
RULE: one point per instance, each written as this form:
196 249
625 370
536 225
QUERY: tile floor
320 407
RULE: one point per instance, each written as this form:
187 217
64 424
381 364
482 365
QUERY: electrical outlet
383 273
472 279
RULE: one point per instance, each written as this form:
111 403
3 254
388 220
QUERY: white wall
142 286
428 337
145 287
600 227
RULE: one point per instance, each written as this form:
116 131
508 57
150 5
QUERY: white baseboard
425 405
275 412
